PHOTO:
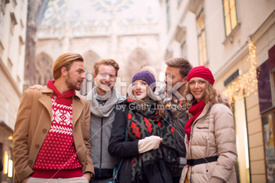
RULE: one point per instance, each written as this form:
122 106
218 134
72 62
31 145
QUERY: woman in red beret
210 135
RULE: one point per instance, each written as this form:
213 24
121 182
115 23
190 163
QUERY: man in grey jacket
172 96
103 99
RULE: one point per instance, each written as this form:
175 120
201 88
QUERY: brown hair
181 63
65 60
106 61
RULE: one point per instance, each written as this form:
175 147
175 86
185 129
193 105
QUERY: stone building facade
13 21
235 39
127 31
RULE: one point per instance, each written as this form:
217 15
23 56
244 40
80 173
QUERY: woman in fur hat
210 135
151 146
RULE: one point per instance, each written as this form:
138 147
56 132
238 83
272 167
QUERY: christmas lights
247 83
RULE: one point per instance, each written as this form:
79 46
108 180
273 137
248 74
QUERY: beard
73 85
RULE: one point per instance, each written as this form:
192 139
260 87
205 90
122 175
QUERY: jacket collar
204 112
77 104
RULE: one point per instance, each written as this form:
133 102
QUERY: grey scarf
97 108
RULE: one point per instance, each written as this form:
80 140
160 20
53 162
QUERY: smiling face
105 79
197 87
173 77
140 90
75 75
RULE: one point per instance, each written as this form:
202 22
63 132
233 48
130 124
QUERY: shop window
269 140
264 87
201 39
243 166
230 16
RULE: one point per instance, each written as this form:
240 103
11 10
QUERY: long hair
211 95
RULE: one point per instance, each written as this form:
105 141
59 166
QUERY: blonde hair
65 60
210 93
106 61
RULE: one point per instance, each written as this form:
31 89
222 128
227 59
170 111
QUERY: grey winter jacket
102 118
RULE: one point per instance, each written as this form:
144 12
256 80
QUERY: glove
149 143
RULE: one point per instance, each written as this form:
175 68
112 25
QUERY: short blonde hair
65 60
106 61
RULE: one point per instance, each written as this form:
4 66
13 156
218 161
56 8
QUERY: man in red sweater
51 133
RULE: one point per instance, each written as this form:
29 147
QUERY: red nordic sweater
57 157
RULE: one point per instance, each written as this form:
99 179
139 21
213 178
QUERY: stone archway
43 68
136 60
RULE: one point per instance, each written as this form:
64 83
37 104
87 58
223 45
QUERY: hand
39 87
149 143
26 180
87 176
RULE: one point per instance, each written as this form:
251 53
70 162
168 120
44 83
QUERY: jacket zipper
101 135
191 136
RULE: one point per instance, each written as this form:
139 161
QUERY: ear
94 75
64 71
185 79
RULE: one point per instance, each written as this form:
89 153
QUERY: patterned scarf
143 123
195 110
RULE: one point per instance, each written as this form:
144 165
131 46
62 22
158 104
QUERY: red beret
202 72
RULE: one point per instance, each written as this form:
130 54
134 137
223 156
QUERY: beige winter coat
212 134
33 123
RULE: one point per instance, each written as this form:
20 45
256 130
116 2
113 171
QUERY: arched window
43 67
136 60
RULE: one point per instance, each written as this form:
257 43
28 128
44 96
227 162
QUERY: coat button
44 130
36 146
30 162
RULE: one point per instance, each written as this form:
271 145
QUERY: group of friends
183 133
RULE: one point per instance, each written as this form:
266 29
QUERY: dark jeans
176 179
101 180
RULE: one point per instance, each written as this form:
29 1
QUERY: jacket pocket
209 168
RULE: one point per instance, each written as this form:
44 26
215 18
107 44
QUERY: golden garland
247 83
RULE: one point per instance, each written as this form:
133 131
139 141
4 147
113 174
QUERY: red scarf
195 110
65 98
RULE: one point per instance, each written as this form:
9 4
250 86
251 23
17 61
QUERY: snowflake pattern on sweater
58 151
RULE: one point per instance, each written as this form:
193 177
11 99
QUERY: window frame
224 18
202 34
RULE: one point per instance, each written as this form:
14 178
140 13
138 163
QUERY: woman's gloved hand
149 143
